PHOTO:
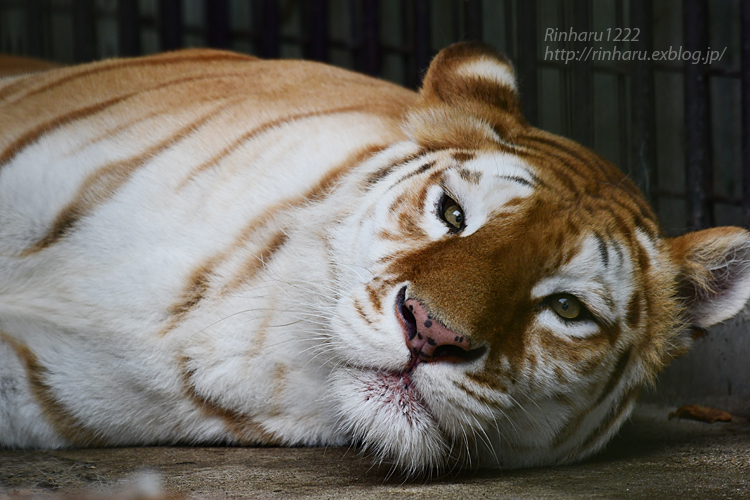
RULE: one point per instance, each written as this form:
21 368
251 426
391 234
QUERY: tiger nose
428 339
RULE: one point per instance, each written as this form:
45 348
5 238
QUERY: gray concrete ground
651 458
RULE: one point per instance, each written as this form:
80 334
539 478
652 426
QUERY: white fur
492 70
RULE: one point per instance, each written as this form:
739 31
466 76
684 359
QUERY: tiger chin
201 247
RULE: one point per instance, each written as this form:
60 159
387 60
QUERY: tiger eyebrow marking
517 179
462 156
470 176
383 172
529 179
422 169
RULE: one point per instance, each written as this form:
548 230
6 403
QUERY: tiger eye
453 215
566 306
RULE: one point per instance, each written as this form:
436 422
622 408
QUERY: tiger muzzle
428 339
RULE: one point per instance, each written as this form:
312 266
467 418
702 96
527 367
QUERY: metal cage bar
745 85
35 27
266 27
366 33
643 121
698 174
315 17
129 28
526 54
422 40
85 37
217 23
170 24
582 120
472 29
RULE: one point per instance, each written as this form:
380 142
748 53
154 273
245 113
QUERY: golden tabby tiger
203 247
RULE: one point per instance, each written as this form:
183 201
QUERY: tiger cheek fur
202 247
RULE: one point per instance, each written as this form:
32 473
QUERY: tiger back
203 247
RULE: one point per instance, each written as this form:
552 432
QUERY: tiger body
203 247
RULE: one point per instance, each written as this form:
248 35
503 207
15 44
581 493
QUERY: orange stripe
316 193
588 159
115 64
615 377
53 409
422 169
32 135
614 380
103 184
361 311
379 174
488 403
156 111
257 262
374 296
59 121
243 427
198 285
612 418
252 134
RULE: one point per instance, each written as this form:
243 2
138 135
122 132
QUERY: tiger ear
469 99
714 273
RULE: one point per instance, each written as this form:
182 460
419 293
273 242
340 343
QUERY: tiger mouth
396 387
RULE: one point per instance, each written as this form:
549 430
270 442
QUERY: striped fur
203 247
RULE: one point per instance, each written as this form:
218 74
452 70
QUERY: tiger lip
408 328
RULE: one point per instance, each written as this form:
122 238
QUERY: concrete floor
652 458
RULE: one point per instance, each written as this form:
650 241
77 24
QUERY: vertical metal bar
217 23
643 156
510 44
128 25
526 58
745 71
473 19
582 78
371 54
315 14
422 40
624 129
698 174
266 27
84 42
407 35
35 28
170 24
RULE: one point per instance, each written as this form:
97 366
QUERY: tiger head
506 292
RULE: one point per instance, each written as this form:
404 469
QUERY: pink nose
428 339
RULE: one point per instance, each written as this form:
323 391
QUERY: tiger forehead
579 179
478 167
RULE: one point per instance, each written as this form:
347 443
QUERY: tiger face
507 292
